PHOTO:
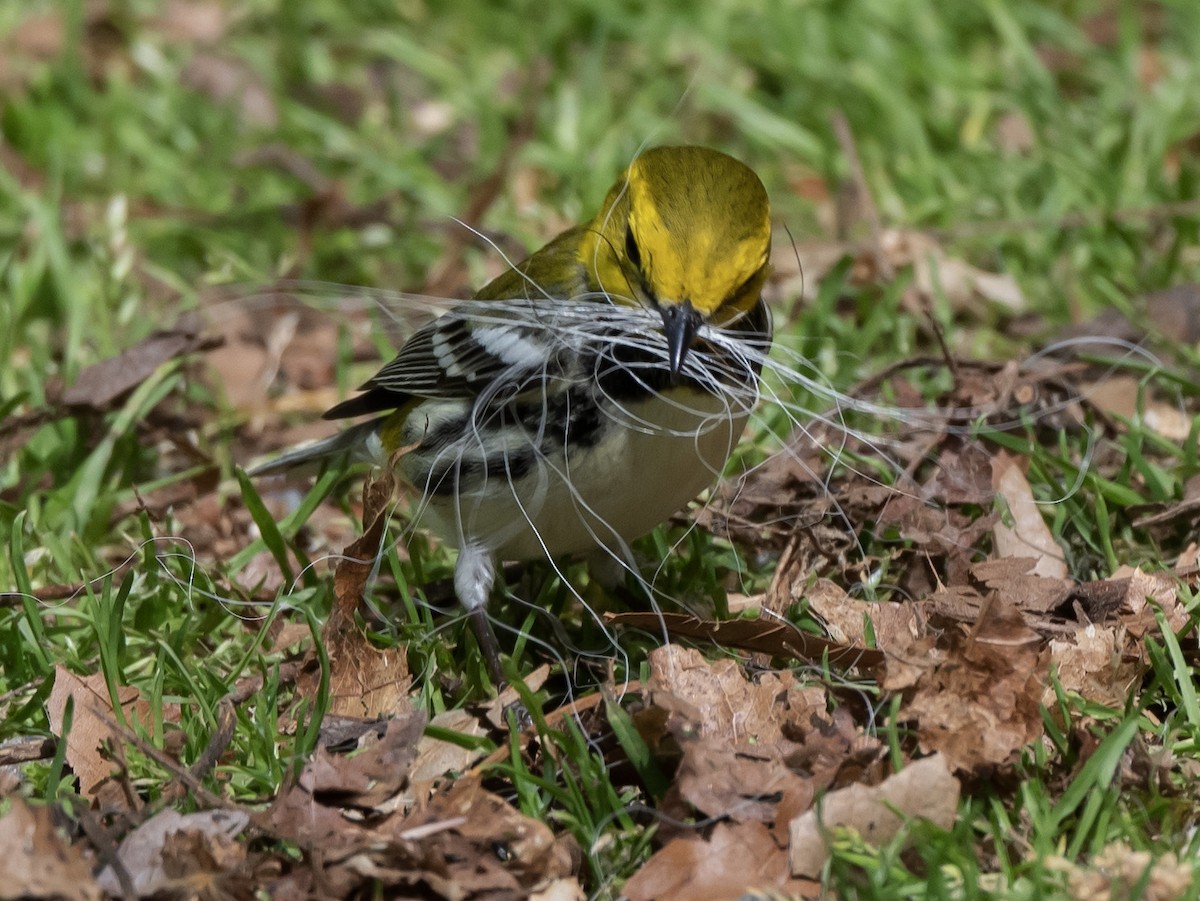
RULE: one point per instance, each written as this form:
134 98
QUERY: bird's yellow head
685 231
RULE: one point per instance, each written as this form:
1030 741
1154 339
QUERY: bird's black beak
680 324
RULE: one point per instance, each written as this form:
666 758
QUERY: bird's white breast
652 457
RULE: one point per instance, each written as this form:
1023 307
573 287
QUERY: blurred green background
233 133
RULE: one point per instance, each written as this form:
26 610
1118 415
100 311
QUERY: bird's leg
474 576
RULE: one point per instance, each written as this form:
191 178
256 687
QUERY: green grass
140 195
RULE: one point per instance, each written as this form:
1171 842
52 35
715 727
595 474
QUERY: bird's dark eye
631 247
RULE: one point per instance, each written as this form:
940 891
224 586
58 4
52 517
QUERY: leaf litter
765 767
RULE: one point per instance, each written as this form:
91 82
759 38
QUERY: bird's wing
473 346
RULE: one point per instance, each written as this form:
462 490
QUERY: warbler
590 391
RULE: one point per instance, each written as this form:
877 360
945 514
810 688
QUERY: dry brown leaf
374 776
964 471
910 648
898 628
1014 132
1126 395
742 783
465 842
774 637
1117 870
715 696
1028 536
151 853
980 704
40 36
941 531
745 745
937 273
297 816
102 384
845 618
797 267
276 339
242 372
364 681
498 708
37 863
437 758
481 843
961 603
1029 592
561 890
1002 625
1189 559
1091 664
924 789
734 860
290 635
1145 592
90 725
1175 312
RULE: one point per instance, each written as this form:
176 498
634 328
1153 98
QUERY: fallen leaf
744 745
93 712
438 758
774 637
37 863
936 273
1126 396
728 865
1090 663
845 618
1028 591
963 475
1028 536
365 682
925 789
716 697
1175 311
481 843
372 778
980 704
561 890
1118 871
1002 625
742 782
147 855
102 384
497 709
1014 133
1144 593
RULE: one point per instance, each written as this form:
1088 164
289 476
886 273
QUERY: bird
590 391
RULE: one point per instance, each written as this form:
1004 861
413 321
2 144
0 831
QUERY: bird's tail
357 444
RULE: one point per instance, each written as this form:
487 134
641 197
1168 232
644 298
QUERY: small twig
107 851
862 192
226 721
203 795
940 337
552 719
